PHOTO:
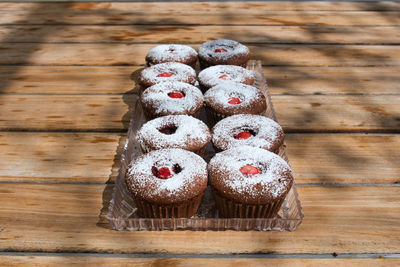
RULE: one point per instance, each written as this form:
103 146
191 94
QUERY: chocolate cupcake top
172 98
175 131
224 52
171 53
167 176
214 75
235 98
244 129
170 71
250 175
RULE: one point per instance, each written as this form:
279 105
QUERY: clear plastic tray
122 212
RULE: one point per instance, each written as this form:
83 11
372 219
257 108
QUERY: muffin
166 72
171 98
215 75
174 131
249 182
167 183
231 98
172 53
245 129
223 52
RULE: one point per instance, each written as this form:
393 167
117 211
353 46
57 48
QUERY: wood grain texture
281 80
60 157
344 158
66 112
368 5
134 54
196 13
95 157
113 112
129 261
199 34
65 218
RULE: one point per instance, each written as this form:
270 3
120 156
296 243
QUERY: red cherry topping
164 173
165 74
225 77
249 170
234 101
220 50
243 135
175 95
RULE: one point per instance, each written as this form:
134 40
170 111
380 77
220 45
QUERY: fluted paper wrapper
123 213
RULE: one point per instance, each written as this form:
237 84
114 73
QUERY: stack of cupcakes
247 178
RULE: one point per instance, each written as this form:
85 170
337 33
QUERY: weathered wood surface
112 112
340 219
198 13
121 79
95 157
100 54
96 260
199 34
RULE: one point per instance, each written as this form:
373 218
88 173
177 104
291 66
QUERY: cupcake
174 131
245 129
167 183
172 53
223 52
171 98
166 72
249 182
228 99
215 75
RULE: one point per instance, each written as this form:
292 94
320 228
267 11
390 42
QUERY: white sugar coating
233 48
219 95
157 97
271 183
171 52
144 184
179 71
267 132
211 76
190 132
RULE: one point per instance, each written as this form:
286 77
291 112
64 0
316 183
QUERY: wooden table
66 95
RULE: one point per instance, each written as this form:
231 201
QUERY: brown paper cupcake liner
146 149
149 116
213 117
204 64
182 210
232 209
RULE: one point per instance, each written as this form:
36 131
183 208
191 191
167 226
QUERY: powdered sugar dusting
268 133
180 72
189 131
171 53
179 187
211 76
271 183
233 49
219 95
157 98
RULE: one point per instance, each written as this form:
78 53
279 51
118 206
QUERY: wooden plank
62 260
199 34
95 157
134 54
66 112
112 112
281 80
344 158
65 218
367 5
60 157
338 113
233 13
